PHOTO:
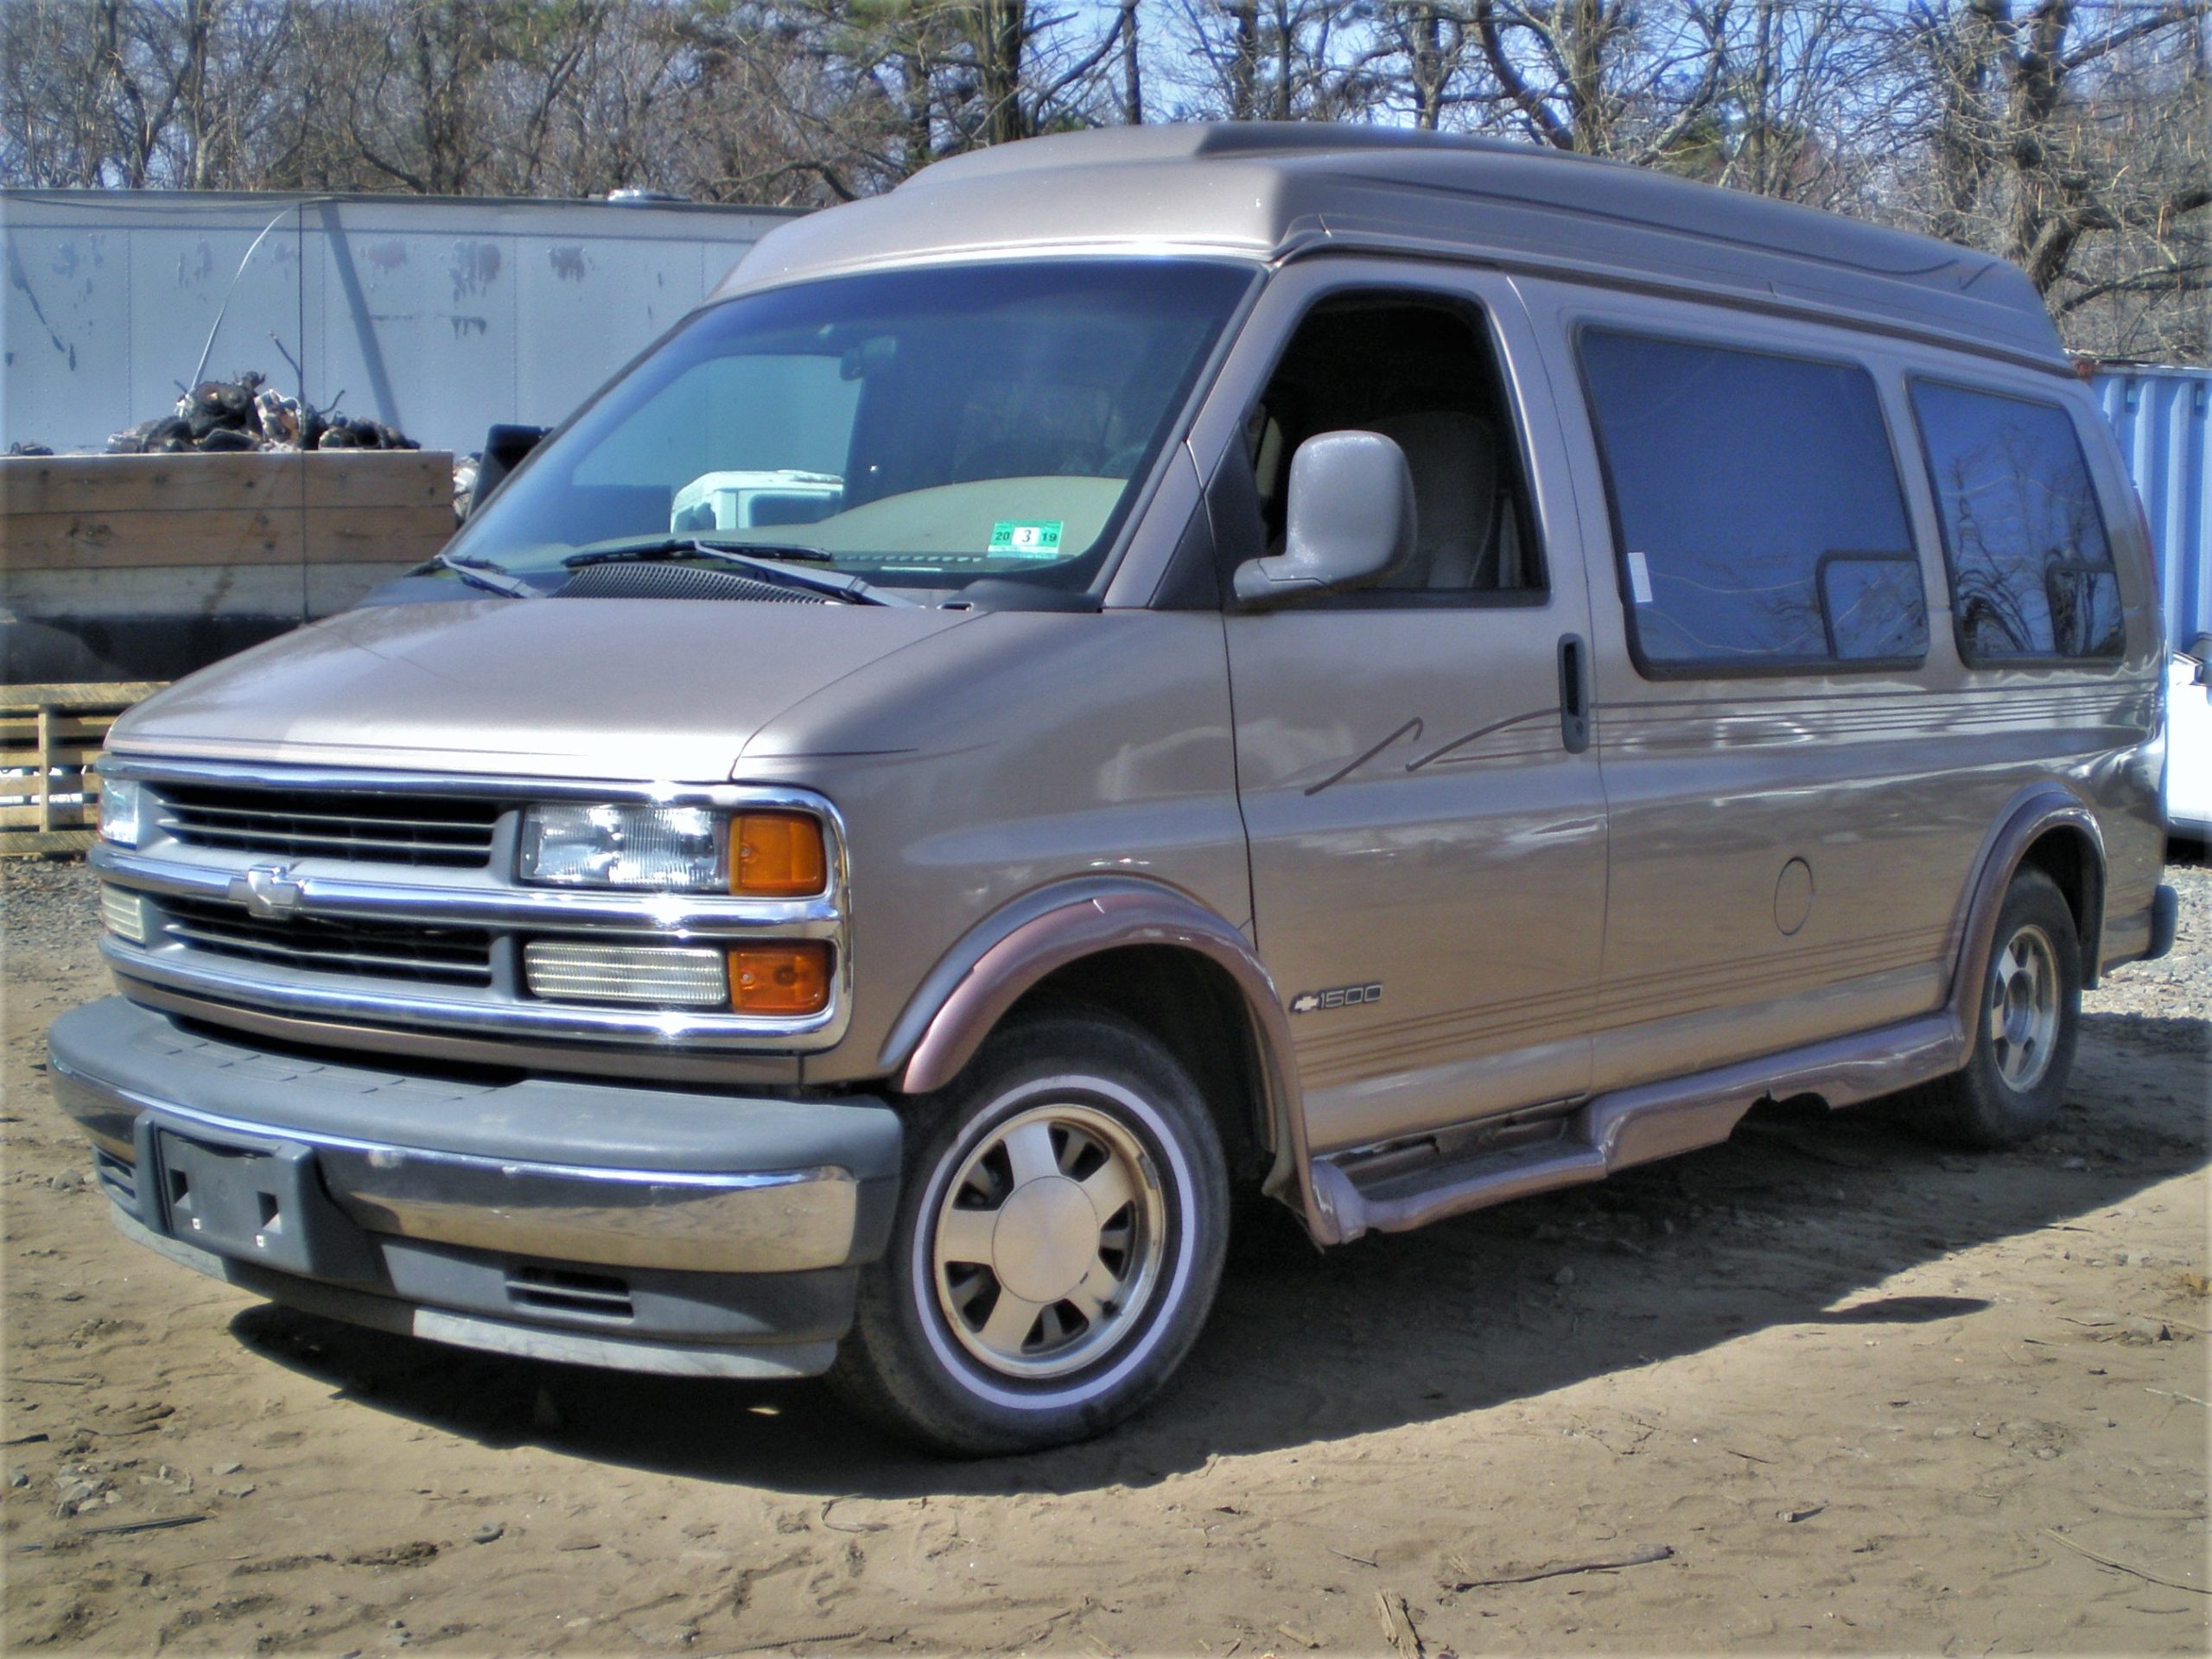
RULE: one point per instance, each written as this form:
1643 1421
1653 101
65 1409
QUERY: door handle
1573 693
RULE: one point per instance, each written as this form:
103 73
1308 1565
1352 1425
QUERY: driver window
1420 372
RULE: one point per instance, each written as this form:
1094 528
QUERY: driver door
1426 827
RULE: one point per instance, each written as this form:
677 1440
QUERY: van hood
641 689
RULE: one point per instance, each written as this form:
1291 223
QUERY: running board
1630 1127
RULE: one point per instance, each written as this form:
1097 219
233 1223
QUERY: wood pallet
47 730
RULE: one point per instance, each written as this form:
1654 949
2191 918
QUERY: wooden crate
46 728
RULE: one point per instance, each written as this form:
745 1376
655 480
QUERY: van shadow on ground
1793 1222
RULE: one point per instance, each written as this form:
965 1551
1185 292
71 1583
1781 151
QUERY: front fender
1009 954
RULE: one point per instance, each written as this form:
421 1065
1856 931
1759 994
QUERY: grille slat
412 851
448 955
203 809
317 956
372 829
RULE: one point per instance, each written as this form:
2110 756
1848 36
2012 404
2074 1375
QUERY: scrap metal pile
248 413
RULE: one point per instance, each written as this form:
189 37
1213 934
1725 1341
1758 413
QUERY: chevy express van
1384 672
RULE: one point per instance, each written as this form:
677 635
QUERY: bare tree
2074 140
1276 60
1605 77
2071 136
1428 48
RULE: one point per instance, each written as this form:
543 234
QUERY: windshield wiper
491 578
693 547
771 560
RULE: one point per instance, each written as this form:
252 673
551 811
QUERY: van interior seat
1454 459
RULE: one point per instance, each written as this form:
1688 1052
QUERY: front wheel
2029 1018
1058 1243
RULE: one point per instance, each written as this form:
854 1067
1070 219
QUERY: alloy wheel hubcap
2024 1008
1047 1243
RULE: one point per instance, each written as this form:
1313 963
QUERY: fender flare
974 985
2030 815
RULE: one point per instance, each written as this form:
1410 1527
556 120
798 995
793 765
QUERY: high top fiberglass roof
1279 191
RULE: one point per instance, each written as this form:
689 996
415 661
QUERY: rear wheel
2029 1018
1058 1240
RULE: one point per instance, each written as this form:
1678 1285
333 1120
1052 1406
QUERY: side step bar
1634 1126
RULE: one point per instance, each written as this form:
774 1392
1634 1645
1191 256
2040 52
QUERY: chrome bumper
613 1177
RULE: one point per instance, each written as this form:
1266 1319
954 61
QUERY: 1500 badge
1344 996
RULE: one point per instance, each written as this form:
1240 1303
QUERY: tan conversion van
1139 668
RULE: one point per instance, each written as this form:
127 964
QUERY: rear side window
2032 572
1757 509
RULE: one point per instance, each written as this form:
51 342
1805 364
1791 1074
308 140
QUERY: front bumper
576 1220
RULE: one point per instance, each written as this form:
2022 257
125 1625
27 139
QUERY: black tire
2010 1090
926 1358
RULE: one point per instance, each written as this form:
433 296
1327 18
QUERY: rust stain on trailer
568 263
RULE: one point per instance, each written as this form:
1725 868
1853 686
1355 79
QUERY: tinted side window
1757 508
2031 571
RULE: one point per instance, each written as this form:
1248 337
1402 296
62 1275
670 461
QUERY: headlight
119 798
773 854
667 848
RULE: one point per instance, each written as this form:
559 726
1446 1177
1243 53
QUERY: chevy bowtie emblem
267 891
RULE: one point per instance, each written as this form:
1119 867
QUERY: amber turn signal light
777 855
792 978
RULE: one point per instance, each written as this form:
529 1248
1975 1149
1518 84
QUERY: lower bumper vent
120 1180
559 1290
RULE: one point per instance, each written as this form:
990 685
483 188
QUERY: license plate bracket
251 1200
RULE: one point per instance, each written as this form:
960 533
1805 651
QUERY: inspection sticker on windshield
1016 538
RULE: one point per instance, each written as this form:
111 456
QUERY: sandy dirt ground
1828 1387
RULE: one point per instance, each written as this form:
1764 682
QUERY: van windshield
917 428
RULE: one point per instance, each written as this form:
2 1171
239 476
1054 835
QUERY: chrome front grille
451 832
288 892
408 950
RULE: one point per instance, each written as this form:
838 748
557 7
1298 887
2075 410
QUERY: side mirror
504 448
1352 520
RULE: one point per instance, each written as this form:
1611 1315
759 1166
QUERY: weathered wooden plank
379 477
45 766
34 812
378 534
268 477
32 843
66 731
125 541
91 695
105 484
46 814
